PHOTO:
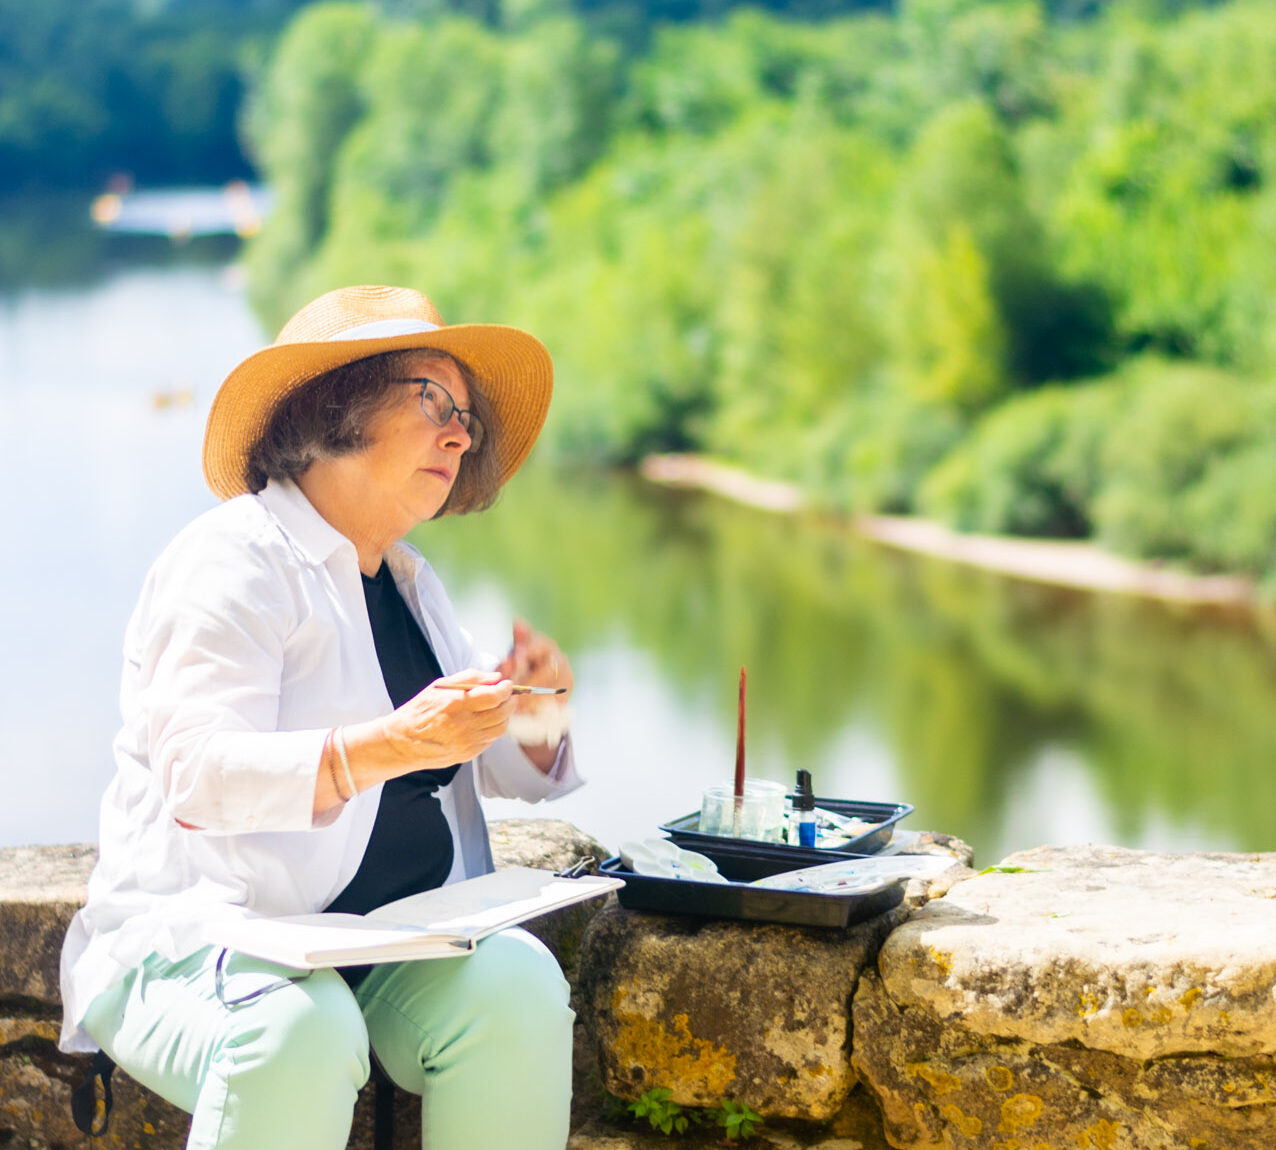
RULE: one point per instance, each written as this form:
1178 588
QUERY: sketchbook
440 923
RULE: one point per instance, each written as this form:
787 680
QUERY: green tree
997 51
419 126
960 227
559 88
1032 466
798 325
1160 204
95 88
637 372
1178 419
309 101
696 80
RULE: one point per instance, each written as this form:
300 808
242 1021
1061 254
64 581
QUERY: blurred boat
181 213
175 397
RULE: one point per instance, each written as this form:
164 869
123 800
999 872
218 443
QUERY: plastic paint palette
880 820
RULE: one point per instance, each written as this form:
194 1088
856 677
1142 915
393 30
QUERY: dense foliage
967 257
94 88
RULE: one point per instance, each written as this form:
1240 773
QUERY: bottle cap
803 796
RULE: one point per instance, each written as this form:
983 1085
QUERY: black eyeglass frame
469 421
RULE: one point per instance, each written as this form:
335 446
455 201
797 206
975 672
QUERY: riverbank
1065 563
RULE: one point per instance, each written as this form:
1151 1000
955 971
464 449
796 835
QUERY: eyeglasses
439 407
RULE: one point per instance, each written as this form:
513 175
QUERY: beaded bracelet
332 766
339 737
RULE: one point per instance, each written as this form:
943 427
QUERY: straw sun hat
512 368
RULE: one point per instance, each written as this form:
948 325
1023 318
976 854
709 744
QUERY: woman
306 727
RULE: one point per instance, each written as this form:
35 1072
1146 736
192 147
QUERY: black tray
684 832
736 899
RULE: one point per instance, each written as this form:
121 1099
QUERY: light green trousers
485 1038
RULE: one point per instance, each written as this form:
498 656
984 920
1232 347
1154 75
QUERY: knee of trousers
515 977
311 1032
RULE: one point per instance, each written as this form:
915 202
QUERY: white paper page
300 940
430 924
482 905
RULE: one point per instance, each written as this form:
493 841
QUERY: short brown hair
330 416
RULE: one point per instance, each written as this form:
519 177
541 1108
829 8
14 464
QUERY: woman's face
410 463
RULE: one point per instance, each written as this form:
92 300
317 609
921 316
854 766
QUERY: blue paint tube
804 809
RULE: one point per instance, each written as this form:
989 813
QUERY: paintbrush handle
516 689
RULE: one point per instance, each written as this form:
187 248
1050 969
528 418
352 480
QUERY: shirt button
251 821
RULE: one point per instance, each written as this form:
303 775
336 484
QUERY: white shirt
249 643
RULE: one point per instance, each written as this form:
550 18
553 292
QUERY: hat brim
513 369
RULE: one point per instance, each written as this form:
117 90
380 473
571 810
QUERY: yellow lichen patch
1198 1144
968 1124
147 1128
1000 1078
1008 1144
1101 1136
1019 1110
1160 1016
943 961
1087 1004
940 1081
12 1029
675 1053
1188 998
1132 1017
1229 1087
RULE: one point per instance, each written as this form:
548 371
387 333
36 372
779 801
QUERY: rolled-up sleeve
504 772
209 643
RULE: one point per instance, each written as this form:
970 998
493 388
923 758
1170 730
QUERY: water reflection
49 242
97 472
1008 713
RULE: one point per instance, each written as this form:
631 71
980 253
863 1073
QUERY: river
1010 714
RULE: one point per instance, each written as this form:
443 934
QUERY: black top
411 845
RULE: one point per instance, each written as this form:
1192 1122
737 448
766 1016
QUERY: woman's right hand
452 720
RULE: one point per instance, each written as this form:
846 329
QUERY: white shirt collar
313 535
317 539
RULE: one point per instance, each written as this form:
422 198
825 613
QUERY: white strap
385 328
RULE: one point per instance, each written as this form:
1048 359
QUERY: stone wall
41 888
1087 997
754 1012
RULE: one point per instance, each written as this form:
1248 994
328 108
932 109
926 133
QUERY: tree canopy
1006 262
1000 261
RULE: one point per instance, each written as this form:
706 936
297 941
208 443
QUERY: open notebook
439 923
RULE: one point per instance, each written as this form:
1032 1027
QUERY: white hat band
385 328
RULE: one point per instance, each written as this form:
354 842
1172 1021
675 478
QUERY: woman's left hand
535 659
539 721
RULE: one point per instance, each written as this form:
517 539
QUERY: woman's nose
453 436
